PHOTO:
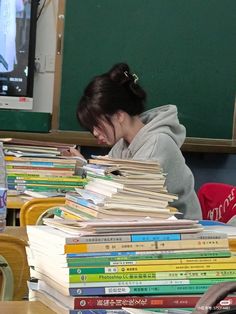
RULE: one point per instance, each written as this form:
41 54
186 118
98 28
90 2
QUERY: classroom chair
218 202
33 209
14 270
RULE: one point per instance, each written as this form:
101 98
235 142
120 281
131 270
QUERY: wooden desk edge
23 307
191 144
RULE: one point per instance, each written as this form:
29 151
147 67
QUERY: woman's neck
132 126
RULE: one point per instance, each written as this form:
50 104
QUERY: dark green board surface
184 52
25 121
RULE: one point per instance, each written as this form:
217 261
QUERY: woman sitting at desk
112 108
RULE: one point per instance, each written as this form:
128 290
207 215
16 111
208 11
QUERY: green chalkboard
184 52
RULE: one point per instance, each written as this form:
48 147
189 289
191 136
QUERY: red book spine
136 302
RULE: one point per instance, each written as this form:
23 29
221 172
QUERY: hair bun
117 73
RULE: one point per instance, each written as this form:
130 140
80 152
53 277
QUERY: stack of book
120 189
39 167
98 265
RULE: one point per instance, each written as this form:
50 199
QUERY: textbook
155 257
59 237
67 288
141 276
117 302
136 290
138 246
18 141
109 288
119 213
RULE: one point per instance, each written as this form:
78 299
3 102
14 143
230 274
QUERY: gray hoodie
160 139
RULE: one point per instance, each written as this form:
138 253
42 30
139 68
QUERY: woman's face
108 133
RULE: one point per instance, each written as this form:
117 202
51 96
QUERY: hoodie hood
163 120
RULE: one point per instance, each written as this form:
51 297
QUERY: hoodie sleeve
180 179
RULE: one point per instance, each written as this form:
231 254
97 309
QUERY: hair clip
135 76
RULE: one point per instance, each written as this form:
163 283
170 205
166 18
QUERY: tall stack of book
34 166
120 189
99 265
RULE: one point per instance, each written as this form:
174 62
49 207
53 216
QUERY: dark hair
108 93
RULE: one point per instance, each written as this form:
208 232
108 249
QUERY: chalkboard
184 52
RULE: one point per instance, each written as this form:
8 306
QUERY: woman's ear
120 116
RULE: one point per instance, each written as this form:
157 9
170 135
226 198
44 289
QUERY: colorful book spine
62 214
142 290
46 182
148 268
81 201
124 253
95 263
110 261
161 283
146 246
137 301
229 273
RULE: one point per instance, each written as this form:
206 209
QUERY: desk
24 307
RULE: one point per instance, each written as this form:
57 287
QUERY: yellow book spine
147 246
175 261
154 268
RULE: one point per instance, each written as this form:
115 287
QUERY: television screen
17 52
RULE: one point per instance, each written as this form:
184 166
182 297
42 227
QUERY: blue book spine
71 255
155 237
87 291
41 163
81 201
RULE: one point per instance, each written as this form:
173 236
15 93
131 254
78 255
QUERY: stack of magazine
112 250
119 189
39 169
101 266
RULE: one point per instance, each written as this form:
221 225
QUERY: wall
45 53
205 167
212 168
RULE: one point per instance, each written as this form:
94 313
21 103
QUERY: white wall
45 57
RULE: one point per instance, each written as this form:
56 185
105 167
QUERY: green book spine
107 261
47 188
41 182
153 276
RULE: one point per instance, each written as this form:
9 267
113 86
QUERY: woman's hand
72 152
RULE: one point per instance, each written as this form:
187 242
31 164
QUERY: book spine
147 268
128 254
81 201
231 273
145 246
169 283
48 182
97 311
110 261
134 301
173 261
141 290
87 210
40 168
62 214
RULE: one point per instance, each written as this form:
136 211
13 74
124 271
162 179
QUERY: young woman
112 109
